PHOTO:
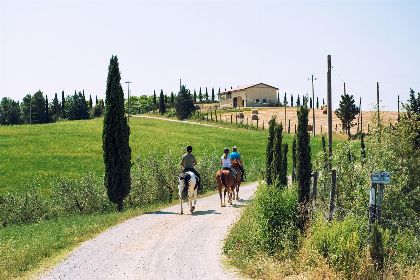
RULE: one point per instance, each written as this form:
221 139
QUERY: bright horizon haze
67 45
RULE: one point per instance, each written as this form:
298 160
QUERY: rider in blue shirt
235 155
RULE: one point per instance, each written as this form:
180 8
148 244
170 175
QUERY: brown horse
227 182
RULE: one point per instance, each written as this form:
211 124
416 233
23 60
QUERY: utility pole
285 106
128 93
313 104
398 119
358 117
377 104
329 111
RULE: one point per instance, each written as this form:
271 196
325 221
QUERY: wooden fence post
230 118
211 115
263 125
257 123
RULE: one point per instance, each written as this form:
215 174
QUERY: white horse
188 180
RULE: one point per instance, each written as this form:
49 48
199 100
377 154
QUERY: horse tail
219 178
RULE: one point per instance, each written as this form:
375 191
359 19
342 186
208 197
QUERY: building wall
250 96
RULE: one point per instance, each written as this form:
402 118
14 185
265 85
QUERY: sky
66 45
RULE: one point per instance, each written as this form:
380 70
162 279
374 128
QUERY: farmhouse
256 95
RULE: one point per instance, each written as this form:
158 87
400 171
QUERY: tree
172 98
206 95
298 101
25 108
347 112
47 114
115 137
310 102
76 107
90 102
412 107
362 148
291 100
283 174
96 100
154 100
323 101
303 155
200 96
277 155
317 103
162 109
195 96
10 112
294 159
55 108
269 150
285 100
212 95
218 95
184 105
63 105
38 108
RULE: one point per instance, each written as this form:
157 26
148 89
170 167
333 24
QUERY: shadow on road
207 212
163 213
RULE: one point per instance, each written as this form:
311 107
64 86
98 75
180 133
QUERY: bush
276 215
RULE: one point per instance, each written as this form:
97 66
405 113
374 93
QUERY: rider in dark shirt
188 162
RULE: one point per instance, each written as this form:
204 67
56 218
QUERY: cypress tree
294 159
47 115
90 102
55 108
162 109
323 101
63 105
269 150
285 100
362 148
38 107
206 95
283 174
298 101
212 94
96 100
310 102
304 166
291 100
218 96
115 137
172 98
154 100
317 103
200 96
277 155
195 96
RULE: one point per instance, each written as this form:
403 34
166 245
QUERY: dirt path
160 245
172 120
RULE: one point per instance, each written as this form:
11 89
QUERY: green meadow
37 156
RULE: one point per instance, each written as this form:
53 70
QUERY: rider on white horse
188 162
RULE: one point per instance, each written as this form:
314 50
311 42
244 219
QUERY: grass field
36 156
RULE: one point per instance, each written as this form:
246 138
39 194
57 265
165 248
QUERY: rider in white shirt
225 160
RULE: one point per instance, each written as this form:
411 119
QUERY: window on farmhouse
228 95
264 100
257 100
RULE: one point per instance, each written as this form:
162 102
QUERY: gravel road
159 245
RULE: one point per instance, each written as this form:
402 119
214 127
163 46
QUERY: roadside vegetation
269 242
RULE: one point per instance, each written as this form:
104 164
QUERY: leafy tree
317 103
98 109
9 112
269 150
162 109
76 107
291 100
285 100
116 133
38 108
184 104
212 95
25 108
412 116
347 112
298 101
303 166
362 148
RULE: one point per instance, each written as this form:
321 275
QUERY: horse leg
191 198
237 192
180 200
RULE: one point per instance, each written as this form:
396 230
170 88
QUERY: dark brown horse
227 183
